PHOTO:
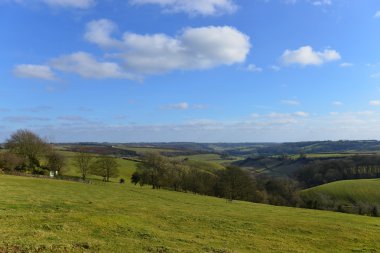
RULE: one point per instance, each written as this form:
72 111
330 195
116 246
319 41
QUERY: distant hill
257 149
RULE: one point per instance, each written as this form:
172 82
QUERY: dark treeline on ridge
321 172
232 183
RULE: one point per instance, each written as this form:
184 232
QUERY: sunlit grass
50 215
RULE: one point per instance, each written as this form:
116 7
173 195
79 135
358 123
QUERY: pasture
43 215
348 192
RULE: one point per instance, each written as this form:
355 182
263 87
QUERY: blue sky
202 70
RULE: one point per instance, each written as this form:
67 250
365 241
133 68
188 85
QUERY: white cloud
99 32
374 102
135 55
346 64
193 7
377 14
307 56
301 114
179 106
291 102
194 48
253 68
337 103
34 71
87 66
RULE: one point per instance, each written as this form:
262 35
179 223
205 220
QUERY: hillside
348 194
40 215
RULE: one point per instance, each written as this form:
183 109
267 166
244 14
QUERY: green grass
348 192
126 167
48 215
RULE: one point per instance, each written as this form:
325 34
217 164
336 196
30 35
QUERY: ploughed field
43 215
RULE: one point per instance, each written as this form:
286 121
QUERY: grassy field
142 150
126 167
348 192
215 158
42 215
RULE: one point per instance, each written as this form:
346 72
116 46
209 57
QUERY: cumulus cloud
307 56
34 71
87 66
193 7
193 48
196 48
377 14
136 55
99 32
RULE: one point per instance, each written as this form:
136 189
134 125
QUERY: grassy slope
56 216
349 191
126 167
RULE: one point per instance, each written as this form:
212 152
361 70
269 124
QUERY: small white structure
53 173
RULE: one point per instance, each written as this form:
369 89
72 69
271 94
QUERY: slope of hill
363 194
40 215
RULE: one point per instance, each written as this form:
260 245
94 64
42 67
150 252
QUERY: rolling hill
42 215
349 194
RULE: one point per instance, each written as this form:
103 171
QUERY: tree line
231 183
26 152
325 171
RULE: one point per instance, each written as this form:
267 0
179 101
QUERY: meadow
126 167
348 192
43 215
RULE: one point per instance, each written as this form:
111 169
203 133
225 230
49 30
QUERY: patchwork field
42 215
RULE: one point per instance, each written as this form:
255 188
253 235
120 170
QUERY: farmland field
126 167
42 215
349 192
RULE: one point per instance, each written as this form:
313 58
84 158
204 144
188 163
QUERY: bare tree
55 161
27 145
82 161
10 162
106 167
